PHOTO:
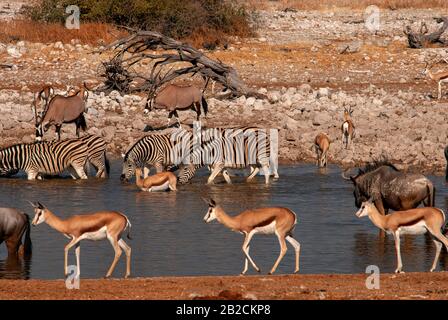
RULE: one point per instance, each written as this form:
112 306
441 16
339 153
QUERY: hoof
296 271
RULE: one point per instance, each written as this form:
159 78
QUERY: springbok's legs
118 251
436 257
77 252
246 263
296 246
439 240
246 251
127 250
283 249
397 249
440 90
66 249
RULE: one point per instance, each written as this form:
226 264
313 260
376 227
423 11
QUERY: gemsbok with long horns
96 226
62 110
174 97
322 145
276 220
161 181
347 128
45 94
439 77
413 221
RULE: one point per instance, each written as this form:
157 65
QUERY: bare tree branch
422 38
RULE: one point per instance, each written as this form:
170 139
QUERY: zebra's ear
123 155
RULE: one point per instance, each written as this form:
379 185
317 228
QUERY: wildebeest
15 226
446 157
174 97
391 188
62 110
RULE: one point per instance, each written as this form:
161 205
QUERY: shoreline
418 285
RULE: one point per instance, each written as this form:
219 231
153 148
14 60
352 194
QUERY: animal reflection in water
15 268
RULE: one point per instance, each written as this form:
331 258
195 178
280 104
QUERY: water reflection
15 268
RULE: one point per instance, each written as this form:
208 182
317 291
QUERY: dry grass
354 4
89 33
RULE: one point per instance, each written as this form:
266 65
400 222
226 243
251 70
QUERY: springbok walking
96 226
278 221
348 127
174 97
161 181
439 77
62 110
15 227
321 145
413 221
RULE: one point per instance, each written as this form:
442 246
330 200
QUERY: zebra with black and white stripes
156 150
96 154
45 158
236 148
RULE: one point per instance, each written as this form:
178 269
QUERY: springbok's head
365 208
211 213
348 112
40 213
426 69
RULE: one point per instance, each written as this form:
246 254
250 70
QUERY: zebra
96 154
156 150
44 158
237 147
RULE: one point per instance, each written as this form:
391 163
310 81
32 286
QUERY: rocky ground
409 286
309 64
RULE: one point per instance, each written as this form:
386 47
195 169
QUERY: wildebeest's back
11 220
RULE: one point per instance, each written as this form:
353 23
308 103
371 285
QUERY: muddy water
170 237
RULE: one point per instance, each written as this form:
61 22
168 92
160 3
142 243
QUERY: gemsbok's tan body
348 128
277 220
413 221
161 181
322 145
95 226
439 77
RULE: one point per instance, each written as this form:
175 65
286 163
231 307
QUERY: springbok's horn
32 204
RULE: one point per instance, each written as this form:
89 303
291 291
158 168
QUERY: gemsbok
413 221
62 110
439 77
45 94
161 181
348 127
321 145
96 226
278 221
174 97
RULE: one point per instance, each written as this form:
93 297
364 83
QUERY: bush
180 19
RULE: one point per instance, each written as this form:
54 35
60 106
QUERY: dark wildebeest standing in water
174 97
62 110
391 188
14 225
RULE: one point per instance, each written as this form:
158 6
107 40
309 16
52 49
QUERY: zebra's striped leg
80 172
31 175
266 174
226 176
253 173
215 171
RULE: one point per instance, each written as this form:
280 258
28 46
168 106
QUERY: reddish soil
402 286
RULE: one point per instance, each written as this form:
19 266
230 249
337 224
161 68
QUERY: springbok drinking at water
439 77
278 221
413 221
62 110
161 181
347 128
321 145
174 97
95 226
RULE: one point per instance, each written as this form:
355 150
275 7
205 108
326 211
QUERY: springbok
174 97
161 181
413 221
439 77
62 110
347 128
321 145
95 226
278 221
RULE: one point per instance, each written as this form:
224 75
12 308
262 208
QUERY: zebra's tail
204 105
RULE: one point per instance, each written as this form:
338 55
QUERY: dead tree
422 38
163 52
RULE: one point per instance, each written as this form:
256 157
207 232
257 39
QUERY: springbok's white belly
96 235
162 187
418 228
267 229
